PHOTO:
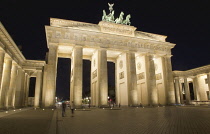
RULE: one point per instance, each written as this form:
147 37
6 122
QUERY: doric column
76 76
38 88
102 73
103 81
195 88
26 89
181 93
177 89
151 80
12 87
44 85
116 85
51 76
208 81
2 54
132 80
170 83
5 81
99 82
187 91
23 88
18 98
165 83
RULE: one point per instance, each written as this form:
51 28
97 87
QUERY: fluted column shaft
38 89
177 89
132 80
12 87
181 93
195 87
103 79
208 81
2 55
187 91
76 76
51 76
44 85
5 81
151 80
26 89
18 98
170 82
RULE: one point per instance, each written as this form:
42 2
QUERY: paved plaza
158 120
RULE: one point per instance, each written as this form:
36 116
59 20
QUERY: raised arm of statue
111 7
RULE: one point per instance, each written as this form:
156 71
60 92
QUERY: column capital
176 78
38 70
77 46
14 63
101 49
7 57
167 56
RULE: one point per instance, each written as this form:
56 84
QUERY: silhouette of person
72 108
63 108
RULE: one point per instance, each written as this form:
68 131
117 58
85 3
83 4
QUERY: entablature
9 46
192 72
71 35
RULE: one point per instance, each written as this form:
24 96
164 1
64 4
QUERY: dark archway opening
32 87
111 81
86 78
63 79
192 96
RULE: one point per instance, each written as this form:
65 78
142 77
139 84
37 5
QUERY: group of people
64 108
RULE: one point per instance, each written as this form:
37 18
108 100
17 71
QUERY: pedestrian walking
89 104
63 108
72 109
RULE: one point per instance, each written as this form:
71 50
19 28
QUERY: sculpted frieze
106 40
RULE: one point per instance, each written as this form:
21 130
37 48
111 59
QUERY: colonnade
14 81
201 85
15 73
158 82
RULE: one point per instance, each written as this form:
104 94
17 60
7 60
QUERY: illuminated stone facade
15 73
142 62
143 72
192 86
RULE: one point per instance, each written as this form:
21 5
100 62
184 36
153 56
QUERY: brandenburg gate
143 71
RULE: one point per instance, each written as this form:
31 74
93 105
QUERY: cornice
9 45
118 28
33 65
193 72
104 40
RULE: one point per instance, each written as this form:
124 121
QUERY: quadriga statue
120 19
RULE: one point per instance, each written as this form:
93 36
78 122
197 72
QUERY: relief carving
121 75
107 40
140 76
158 76
94 74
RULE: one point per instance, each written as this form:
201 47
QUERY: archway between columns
63 83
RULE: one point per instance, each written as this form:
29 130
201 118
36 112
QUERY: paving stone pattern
162 120
26 122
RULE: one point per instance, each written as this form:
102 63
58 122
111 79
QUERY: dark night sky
185 22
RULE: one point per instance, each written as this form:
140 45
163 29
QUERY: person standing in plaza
63 108
72 108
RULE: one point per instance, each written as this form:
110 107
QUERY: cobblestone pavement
26 122
162 120
159 120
